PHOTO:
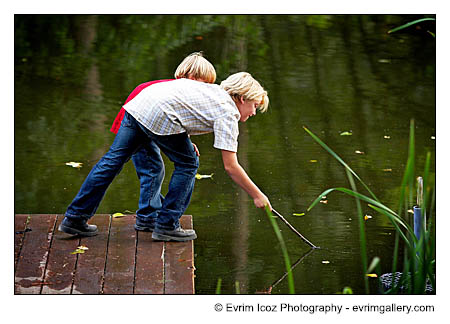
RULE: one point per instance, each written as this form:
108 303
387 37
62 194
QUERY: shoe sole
167 238
143 228
73 231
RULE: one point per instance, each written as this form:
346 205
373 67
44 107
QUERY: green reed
419 255
287 261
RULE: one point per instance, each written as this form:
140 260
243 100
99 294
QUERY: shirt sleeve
226 132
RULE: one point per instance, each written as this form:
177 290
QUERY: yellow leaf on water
83 247
359 152
366 217
301 214
325 261
116 215
75 164
346 134
313 161
372 275
387 170
203 176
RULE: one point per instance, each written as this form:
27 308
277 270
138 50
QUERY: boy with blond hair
162 117
194 67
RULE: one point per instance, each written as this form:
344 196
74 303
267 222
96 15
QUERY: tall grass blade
283 249
237 287
409 24
356 195
407 178
347 167
374 264
362 232
219 286
426 194
395 221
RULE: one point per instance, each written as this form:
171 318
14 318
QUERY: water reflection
329 73
273 285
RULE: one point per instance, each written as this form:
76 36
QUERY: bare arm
240 177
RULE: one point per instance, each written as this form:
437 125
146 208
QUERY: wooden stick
294 230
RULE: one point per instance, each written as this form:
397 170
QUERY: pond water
332 74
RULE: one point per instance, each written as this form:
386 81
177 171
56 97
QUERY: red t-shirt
116 124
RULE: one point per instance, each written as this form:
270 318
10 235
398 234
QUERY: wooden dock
119 260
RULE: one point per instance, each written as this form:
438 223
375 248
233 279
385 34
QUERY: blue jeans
150 171
132 137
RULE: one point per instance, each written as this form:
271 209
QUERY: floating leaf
387 137
313 161
301 214
117 215
346 134
203 176
387 170
325 261
324 201
75 164
366 217
372 275
359 152
83 247
384 61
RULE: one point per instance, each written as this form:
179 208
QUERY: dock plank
20 223
179 264
149 265
33 257
90 270
61 262
119 272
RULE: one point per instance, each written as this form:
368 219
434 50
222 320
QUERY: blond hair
242 84
195 66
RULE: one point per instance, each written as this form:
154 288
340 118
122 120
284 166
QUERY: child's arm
240 177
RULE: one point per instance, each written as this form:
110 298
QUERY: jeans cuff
77 217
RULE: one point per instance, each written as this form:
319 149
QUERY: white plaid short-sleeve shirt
190 106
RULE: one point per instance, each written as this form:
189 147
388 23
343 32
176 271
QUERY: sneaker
144 228
81 228
177 235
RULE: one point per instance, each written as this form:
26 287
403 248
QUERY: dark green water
329 73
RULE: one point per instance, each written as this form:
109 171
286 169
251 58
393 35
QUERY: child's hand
196 149
262 201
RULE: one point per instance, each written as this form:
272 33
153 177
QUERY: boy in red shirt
194 67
